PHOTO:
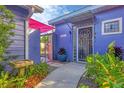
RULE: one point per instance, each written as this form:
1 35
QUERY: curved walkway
66 76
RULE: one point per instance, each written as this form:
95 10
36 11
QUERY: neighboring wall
62 38
102 41
34 46
18 46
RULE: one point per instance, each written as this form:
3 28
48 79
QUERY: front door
84 43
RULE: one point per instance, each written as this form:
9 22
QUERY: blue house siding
102 41
17 48
62 38
34 46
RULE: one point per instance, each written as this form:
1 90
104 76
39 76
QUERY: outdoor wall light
70 32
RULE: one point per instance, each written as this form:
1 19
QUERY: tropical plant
118 52
17 82
83 86
111 48
6 25
107 70
41 69
1 68
7 81
115 50
4 82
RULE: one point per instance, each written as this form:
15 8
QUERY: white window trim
110 33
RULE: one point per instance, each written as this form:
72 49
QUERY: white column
26 40
77 45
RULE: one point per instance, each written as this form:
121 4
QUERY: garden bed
106 70
33 80
86 83
33 75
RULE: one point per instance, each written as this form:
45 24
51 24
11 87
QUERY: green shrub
41 69
111 49
7 81
115 50
4 79
83 86
6 25
17 82
1 68
107 70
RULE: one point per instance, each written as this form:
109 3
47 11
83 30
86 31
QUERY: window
113 26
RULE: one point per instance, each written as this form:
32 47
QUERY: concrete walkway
66 76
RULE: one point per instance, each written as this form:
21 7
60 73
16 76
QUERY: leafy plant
6 25
111 48
62 51
4 82
118 52
83 86
44 39
41 69
115 50
7 81
1 68
107 70
18 82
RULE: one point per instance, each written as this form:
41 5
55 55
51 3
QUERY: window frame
111 20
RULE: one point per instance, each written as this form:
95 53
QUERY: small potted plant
62 56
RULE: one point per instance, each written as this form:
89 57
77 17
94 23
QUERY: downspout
93 37
27 34
53 45
26 40
31 10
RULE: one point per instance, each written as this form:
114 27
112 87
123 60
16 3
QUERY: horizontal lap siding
17 47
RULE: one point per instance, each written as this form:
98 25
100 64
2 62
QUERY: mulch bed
87 81
33 80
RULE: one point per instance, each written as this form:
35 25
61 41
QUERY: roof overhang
73 14
32 9
104 8
81 17
36 8
82 14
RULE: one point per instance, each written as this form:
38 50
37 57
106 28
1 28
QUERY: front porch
76 36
